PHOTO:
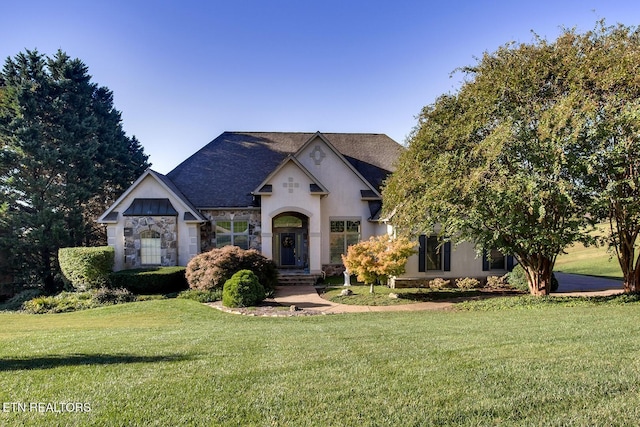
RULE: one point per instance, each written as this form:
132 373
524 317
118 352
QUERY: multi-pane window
433 253
232 233
497 260
150 248
344 233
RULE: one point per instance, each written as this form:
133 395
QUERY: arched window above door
287 221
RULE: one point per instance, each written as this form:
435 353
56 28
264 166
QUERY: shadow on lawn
49 362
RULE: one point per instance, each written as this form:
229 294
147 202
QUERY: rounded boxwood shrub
210 270
86 267
242 290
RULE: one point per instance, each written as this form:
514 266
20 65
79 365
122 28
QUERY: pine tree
64 156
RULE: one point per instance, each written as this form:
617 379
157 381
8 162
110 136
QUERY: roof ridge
304 133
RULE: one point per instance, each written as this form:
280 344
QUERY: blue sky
182 72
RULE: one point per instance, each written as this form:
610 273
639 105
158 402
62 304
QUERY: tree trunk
628 264
632 280
47 276
539 270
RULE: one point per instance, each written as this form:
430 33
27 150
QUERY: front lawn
178 362
590 260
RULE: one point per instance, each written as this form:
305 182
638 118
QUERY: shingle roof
151 207
225 172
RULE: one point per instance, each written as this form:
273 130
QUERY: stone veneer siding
207 230
166 226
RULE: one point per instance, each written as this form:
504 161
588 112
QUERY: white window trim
344 233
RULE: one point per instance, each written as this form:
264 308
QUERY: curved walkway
307 298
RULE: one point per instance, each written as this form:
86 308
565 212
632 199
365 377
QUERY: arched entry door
291 240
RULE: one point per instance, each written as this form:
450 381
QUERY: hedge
153 280
86 267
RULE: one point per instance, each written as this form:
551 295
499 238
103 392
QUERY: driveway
575 283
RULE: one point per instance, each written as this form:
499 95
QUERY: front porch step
297 279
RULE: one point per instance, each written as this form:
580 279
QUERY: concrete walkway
306 297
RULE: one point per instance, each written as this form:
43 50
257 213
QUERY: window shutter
421 253
447 256
485 261
509 262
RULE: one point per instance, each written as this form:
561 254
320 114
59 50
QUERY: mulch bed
267 308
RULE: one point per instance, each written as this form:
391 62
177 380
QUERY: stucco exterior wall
344 200
291 194
465 262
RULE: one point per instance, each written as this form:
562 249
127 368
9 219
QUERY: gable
324 161
291 166
227 171
151 194
372 155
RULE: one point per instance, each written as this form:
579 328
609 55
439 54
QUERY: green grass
528 302
590 260
380 297
177 362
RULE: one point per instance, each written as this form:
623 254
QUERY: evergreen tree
63 158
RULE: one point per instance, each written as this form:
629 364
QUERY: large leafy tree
611 86
501 162
63 158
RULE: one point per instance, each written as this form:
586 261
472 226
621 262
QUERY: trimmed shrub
106 296
74 301
468 283
518 279
86 267
498 282
155 280
201 296
439 283
242 290
61 303
210 270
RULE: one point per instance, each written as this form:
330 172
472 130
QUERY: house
299 198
